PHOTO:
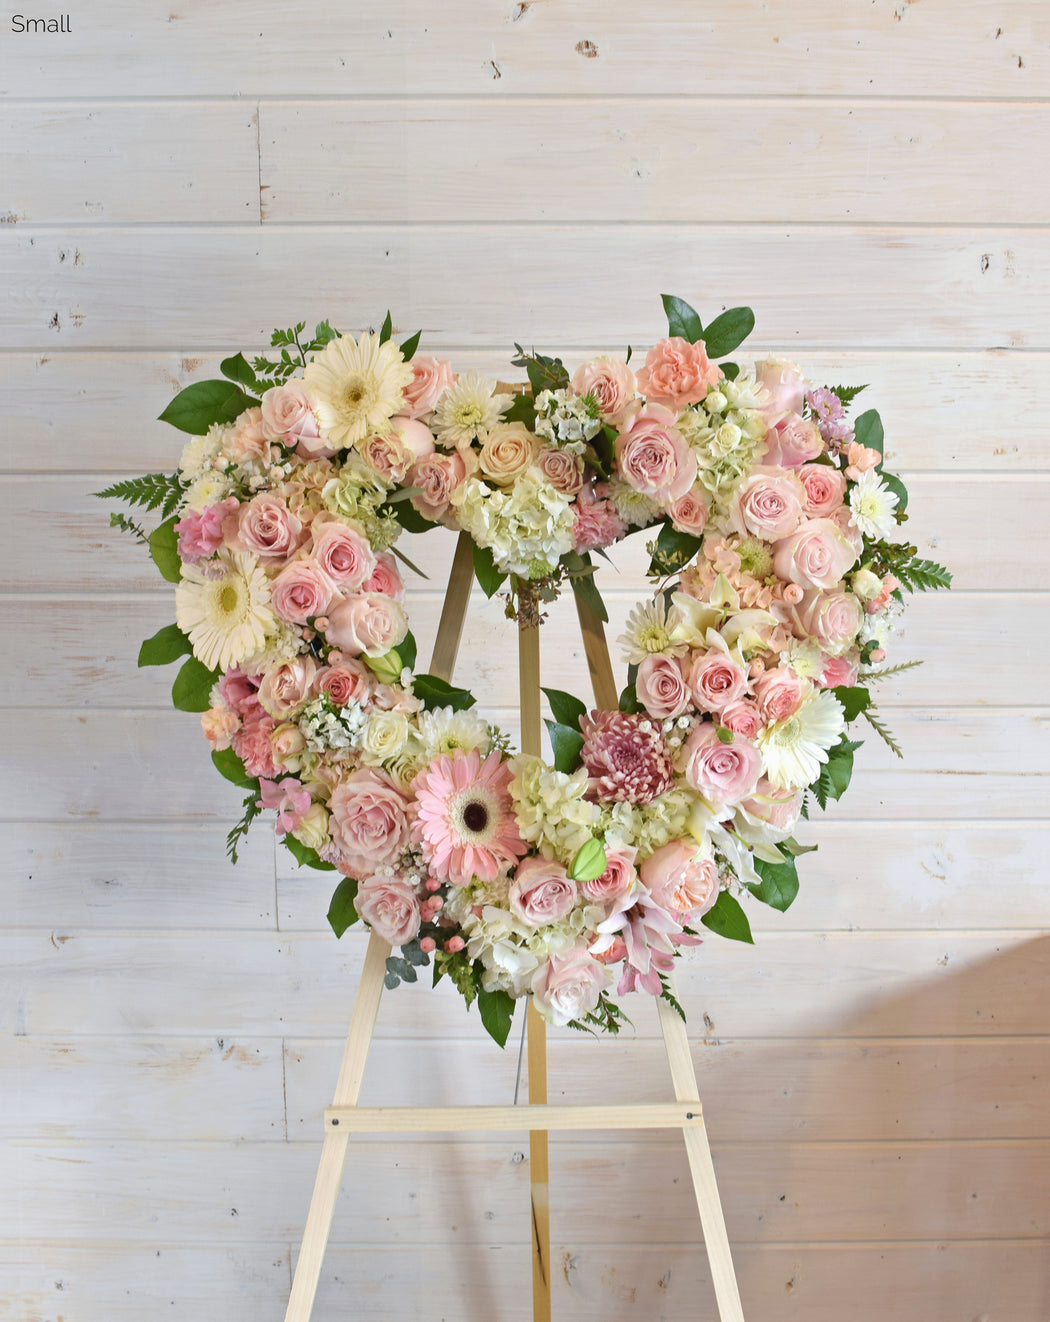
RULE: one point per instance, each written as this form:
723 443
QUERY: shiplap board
921 161
96 412
959 1088
72 164
500 47
949 288
994 1279
477 1193
196 984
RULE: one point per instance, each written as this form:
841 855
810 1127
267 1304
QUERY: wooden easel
345 1117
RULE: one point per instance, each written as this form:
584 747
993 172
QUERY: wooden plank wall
179 177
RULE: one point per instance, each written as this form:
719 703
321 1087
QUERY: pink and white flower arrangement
776 589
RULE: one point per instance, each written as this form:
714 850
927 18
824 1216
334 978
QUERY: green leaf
836 773
304 855
522 410
779 883
854 700
237 369
194 409
727 331
166 645
408 349
682 320
893 482
434 692
730 370
386 330
341 912
581 577
192 686
408 516
324 334
673 550
497 1011
847 394
590 861
565 708
544 372
164 549
406 650
151 490
228 764
728 919
485 571
867 430
629 701
566 745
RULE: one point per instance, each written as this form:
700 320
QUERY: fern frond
873 676
151 491
884 734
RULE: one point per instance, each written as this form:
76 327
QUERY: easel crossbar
456 1119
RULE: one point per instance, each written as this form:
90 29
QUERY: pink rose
831 618
610 381
785 383
301 591
723 774
681 878
743 717
562 470
387 457
840 671
816 555
651 456
200 535
677 373
617 879
417 439
841 519
251 743
596 524
389 906
386 578
780 693
343 552
825 489
249 440
437 476
220 725
541 892
368 622
266 527
715 680
792 441
767 504
369 820
347 682
689 513
430 379
286 687
238 691
777 810
288 414
568 986
661 687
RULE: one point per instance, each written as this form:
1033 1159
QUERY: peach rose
767 504
301 591
780 693
681 878
651 456
677 373
825 489
542 892
430 379
220 725
343 552
287 741
723 774
792 441
369 820
617 879
610 381
389 906
287 687
368 622
345 682
689 513
266 527
661 687
715 680
568 986
785 383
562 470
386 578
816 555
506 452
437 476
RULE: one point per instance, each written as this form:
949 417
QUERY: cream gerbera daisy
467 409
794 750
874 505
356 386
226 616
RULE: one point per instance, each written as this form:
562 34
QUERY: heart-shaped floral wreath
776 584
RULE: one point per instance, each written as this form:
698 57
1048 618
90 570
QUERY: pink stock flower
465 818
625 757
677 373
289 798
200 535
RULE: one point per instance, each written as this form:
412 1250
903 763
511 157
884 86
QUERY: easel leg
708 1203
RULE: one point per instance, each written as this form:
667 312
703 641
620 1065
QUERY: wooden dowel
454 611
596 648
459 1119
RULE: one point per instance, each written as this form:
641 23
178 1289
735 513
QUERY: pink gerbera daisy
465 818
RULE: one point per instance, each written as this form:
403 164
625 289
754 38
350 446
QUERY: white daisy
873 505
467 409
226 617
794 750
356 386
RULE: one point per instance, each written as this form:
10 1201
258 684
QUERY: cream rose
384 735
506 452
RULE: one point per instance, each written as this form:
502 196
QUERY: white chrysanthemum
873 505
443 730
356 386
226 617
208 489
794 750
200 451
805 658
634 507
649 632
467 409
550 808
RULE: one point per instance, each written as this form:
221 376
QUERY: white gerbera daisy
649 632
467 409
794 750
356 386
873 505
443 730
226 617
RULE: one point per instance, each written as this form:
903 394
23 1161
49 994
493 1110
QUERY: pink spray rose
430 379
368 622
651 456
743 717
200 535
389 906
541 892
840 671
343 552
681 878
345 682
777 810
689 513
266 527
369 819
723 774
825 489
815 555
677 373
785 383
792 441
301 591
568 986
661 687
715 680
767 504
610 381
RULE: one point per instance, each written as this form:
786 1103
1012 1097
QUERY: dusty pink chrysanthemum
465 818
625 756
